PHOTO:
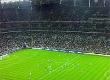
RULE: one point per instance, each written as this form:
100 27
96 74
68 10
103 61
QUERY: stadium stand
59 26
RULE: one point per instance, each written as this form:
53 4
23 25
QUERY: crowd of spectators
85 42
82 28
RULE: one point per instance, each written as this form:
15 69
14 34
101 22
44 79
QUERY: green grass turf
29 64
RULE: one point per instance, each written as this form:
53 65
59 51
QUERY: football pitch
32 64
